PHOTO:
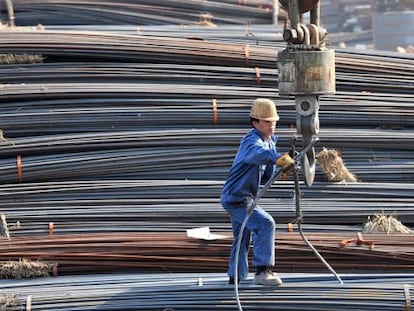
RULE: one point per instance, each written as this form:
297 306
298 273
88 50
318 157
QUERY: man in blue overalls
253 165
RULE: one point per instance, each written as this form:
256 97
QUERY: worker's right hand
285 162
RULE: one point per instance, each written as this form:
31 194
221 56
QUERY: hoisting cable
299 215
250 206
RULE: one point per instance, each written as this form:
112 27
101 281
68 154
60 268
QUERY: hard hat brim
272 119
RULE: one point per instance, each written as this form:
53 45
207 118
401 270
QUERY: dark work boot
231 281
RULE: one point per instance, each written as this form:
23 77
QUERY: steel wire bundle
55 116
99 45
208 291
139 12
146 73
206 14
113 103
176 205
257 34
175 252
260 34
147 98
208 73
196 154
58 45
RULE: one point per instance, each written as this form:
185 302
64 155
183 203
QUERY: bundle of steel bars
175 252
140 12
59 130
263 34
173 205
209 291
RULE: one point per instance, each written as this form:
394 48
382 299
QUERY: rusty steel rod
88 253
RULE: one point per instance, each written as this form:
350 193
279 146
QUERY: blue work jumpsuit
253 165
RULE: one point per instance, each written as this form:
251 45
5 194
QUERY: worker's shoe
231 281
267 277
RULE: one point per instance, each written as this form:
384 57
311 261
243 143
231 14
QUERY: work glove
285 162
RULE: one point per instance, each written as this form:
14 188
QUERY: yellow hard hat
264 109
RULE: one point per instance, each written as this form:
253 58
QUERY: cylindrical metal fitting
306 72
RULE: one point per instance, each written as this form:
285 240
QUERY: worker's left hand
285 162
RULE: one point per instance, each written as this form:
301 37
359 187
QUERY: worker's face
266 128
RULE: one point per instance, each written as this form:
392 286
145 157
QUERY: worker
253 164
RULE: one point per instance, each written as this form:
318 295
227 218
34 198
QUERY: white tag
204 233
